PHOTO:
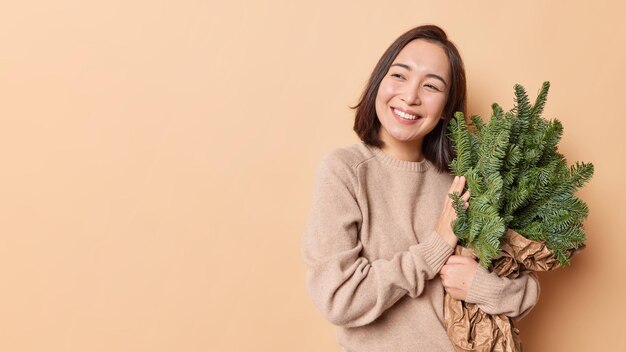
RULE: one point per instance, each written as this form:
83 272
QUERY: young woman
378 244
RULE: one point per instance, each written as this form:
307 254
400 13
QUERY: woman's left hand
457 275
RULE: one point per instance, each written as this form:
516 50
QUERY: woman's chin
404 138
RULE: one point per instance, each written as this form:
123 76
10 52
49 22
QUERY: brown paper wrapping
471 329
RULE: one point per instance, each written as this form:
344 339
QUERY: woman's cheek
437 101
389 89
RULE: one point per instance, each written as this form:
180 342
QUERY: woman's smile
404 116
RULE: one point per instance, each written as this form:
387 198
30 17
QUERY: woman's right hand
448 214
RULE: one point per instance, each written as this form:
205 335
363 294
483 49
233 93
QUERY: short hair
436 145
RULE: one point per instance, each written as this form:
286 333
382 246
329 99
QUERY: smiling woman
430 56
411 98
378 244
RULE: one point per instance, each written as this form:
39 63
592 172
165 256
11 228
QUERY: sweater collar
416 166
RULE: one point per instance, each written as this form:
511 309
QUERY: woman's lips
405 117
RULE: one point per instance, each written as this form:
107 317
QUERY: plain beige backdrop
158 159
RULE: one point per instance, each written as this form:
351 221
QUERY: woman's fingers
458 259
457 185
453 185
453 189
460 184
457 275
466 195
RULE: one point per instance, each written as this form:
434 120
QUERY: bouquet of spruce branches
522 216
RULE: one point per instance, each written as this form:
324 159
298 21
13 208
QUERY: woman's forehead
423 55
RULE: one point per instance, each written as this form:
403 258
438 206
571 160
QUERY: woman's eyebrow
430 75
437 77
402 65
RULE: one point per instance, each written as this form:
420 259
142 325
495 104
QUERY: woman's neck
407 151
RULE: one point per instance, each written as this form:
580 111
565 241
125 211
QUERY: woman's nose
411 97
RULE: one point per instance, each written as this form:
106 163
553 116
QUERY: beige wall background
158 159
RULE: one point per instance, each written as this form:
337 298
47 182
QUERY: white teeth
405 115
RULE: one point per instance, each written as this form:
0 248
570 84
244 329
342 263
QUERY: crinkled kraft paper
471 329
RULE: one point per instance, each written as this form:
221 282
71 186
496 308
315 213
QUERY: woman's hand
444 227
457 275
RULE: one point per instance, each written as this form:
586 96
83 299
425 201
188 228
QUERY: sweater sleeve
346 287
511 297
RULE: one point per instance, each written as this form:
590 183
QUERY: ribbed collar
416 166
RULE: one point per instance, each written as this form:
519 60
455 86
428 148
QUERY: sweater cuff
435 252
485 290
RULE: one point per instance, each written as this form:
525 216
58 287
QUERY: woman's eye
397 75
433 87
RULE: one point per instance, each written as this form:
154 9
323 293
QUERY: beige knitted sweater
373 255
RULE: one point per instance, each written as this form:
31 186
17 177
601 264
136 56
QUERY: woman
379 244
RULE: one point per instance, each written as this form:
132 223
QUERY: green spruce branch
518 180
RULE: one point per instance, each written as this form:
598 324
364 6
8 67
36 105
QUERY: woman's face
413 93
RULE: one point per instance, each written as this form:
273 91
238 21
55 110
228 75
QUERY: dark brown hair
436 145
